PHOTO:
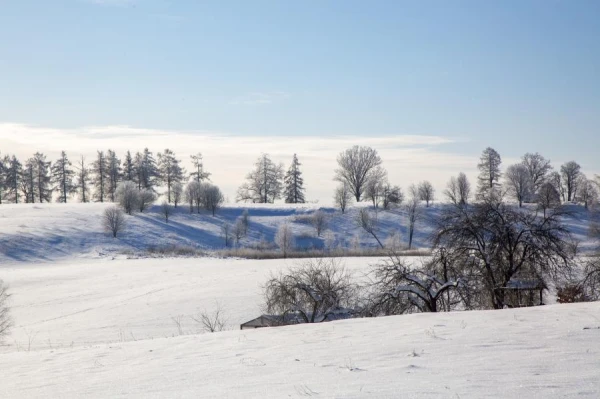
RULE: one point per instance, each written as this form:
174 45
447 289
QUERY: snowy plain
90 321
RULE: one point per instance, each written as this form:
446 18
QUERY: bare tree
413 214
392 196
212 322
570 172
342 197
587 192
499 243
177 193
313 292
5 319
489 172
538 169
426 192
166 210
357 166
238 230
369 224
319 221
548 197
402 288
193 195
226 233
284 238
146 198
458 189
264 183
518 182
127 196
114 220
245 221
213 198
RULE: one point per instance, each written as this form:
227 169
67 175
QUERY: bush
114 220
571 293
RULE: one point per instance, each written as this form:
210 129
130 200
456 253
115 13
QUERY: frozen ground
92 323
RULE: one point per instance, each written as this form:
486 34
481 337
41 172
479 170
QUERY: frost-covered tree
193 195
569 173
146 170
263 184
426 192
284 238
198 174
313 291
369 224
587 192
146 198
555 179
177 192
342 197
538 169
166 209
548 197
3 163
114 220
294 184
62 176
458 189
98 169
392 196
489 172
13 170
28 183
127 195
518 183
319 221
129 172
113 174
170 171
43 177
213 197
82 179
357 166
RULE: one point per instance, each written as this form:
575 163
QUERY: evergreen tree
43 178
294 184
13 172
489 175
148 172
198 174
28 181
170 170
3 165
62 175
113 173
128 168
100 180
82 179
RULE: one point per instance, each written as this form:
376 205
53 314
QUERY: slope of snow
543 352
38 232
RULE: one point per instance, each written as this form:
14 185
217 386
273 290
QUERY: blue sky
516 75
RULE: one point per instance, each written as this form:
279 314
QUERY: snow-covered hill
34 232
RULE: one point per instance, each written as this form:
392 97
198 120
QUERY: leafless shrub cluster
214 321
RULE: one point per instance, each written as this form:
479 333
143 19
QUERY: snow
91 322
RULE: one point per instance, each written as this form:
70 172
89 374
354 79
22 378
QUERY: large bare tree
264 183
569 173
458 189
357 166
518 182
312 292
538 169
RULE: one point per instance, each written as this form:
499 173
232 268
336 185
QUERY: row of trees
37 180
479 252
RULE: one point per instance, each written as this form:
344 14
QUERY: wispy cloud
260 98
408 158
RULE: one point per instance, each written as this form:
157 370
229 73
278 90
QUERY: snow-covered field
89 322
37 232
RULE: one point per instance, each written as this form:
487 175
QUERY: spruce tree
100 183
170 170
62 176
294 184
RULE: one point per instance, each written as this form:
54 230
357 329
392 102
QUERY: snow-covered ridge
37 232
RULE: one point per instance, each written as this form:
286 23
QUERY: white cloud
408 158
